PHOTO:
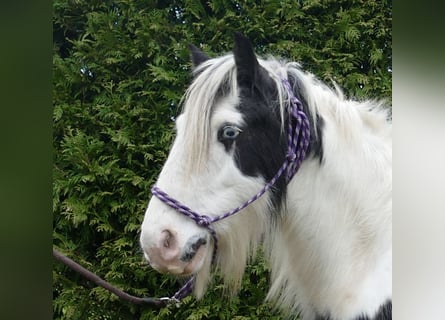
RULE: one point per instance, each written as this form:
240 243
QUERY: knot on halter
203 221
291 156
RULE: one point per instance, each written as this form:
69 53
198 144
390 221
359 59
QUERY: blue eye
230 132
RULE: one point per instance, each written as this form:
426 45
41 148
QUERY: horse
324 221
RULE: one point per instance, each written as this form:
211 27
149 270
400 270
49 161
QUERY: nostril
192 246
200 242
168 238
167 247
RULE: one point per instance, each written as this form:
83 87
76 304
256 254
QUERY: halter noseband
298 143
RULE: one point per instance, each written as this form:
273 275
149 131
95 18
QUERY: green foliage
120 68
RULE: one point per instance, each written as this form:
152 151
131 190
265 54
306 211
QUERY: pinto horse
266 154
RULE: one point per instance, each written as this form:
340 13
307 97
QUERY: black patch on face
384 313
261 147
316 143
259 150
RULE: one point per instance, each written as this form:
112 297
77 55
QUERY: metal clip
171 301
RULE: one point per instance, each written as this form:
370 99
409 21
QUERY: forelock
213 80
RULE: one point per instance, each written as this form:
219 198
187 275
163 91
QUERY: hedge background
119 70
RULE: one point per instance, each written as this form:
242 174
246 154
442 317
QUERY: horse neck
353 178
337 215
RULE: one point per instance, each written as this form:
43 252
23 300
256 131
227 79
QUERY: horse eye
230 132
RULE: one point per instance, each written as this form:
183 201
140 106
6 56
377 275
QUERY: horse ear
197 56
246 63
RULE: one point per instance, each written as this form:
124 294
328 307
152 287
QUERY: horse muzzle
165 253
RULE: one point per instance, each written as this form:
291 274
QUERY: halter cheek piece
298 143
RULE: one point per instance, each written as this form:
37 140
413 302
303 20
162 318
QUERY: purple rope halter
297 145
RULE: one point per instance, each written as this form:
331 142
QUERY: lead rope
298 143
154 302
